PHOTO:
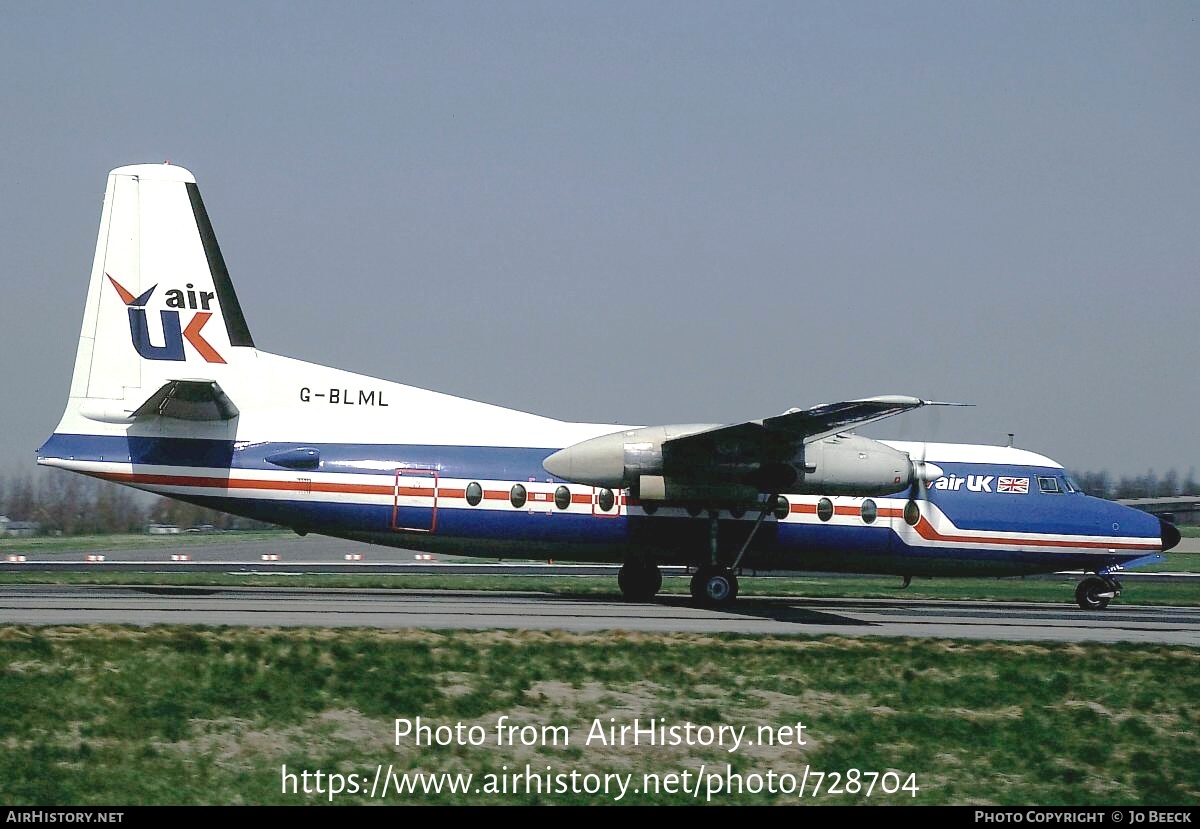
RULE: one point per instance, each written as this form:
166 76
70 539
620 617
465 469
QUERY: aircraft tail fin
161 308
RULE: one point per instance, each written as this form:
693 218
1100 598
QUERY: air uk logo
173 332
975 483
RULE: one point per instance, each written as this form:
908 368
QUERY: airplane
171 395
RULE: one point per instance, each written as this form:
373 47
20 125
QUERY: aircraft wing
776 438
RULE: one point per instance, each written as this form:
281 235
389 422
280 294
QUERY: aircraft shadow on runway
777 610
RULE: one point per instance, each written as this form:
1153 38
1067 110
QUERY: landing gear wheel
714 586
639 582
1094 593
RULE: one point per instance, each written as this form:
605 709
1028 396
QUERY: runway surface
328 607
289 553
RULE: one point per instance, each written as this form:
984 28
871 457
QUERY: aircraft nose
1170 534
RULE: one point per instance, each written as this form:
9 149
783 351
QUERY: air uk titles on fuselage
975 483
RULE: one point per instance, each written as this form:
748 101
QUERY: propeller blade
923 474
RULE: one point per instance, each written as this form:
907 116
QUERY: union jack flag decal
1017 485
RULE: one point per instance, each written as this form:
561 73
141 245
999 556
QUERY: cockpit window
1048 484
1072 484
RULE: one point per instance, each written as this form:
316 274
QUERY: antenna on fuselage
1010 440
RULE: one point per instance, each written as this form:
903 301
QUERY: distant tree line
1149 485
64 503
69 504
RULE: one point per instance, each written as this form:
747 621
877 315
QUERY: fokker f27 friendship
170 395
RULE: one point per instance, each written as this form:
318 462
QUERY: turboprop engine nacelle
617 460
854 465
634 459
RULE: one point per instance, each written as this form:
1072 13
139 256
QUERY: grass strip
108 715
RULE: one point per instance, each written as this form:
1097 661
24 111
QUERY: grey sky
649 212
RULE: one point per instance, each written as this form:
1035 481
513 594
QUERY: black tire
654 580
639 582
1088 593
714 586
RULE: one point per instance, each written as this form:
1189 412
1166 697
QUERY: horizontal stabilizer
189 400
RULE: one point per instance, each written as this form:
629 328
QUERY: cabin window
517 496
562 497
781 507
824 509
912 513
474 493
869 511
606 499
1047 484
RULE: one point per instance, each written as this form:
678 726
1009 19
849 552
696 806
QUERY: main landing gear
639 581
714 586
1095 592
